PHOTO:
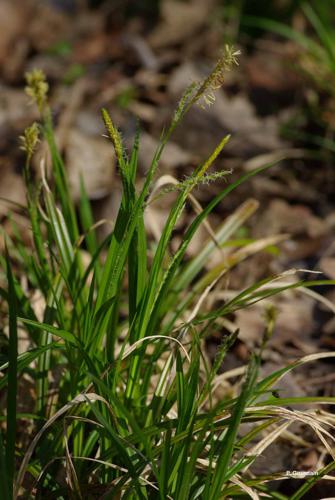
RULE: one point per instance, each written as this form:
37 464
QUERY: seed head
29 139
114 135
215 80
185 101
37 87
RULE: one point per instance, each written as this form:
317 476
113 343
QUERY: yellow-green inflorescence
205 94
114 135
30 139
37 88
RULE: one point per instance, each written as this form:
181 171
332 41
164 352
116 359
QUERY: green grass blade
5 489
44 360
228 442
285 31
137 260
12 379
265 384
229 227
25 359
327 37
86 219
310 482
59 174
63 334
296 400
174 265
152 302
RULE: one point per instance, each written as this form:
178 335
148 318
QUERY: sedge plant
124 396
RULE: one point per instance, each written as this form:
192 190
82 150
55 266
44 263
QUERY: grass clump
124 398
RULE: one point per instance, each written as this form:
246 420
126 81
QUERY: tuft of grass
315 61
125 398
318 57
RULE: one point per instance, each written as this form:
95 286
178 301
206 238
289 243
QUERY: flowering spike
29 140
37 88
114 135
215 80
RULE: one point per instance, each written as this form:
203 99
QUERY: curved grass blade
226 447
63 334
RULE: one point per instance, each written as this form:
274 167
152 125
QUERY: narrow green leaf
12 379
5 489
227 445
63 334
310 481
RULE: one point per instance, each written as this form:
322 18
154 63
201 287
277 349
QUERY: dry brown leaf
12 17
251 325
94 159
15 111
327 266
173 155
48 26
295 323
11 188
270 69
294 219
180 21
